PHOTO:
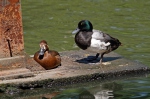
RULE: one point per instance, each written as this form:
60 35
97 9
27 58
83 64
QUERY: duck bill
41 51
76 31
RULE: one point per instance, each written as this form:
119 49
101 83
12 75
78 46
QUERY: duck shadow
88 59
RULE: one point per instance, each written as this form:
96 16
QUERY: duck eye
83 23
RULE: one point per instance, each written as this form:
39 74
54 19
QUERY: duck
48 59
93 40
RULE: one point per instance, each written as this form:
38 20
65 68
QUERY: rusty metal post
11 30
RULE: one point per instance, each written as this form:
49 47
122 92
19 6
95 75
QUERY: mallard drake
47 58
97 41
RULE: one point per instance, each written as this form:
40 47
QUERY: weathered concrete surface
12 63
74 69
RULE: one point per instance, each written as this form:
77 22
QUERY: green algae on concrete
75 69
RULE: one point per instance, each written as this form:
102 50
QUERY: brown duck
48 59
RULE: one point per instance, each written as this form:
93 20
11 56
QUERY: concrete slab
75 68
12 63
15 74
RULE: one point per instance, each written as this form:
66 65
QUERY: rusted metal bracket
9 47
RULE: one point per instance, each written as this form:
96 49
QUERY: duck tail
120 44
115 44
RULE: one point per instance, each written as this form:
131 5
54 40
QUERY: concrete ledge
15 74
74 69
12 62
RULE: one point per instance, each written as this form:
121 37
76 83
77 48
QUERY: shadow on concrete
88 59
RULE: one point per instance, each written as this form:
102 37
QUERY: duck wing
99 35
105 40
53 53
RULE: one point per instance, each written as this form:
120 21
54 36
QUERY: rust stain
11 28
13 1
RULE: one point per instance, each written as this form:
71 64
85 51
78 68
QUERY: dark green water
127 20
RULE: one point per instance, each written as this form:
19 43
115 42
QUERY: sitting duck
48 59
97 41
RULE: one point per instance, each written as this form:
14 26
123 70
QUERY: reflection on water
85 94
104 94
90 90
53 20
129 88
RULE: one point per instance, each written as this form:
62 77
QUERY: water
127 20
54 20
125 88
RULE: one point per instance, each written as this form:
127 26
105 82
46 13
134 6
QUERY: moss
7 88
